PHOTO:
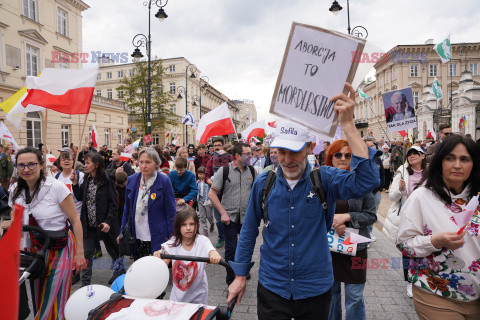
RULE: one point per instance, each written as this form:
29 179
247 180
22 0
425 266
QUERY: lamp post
192 69
140 40
198 98
358 31
180 90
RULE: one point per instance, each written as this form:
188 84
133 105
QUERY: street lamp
335 9
140 40
192 69
198 98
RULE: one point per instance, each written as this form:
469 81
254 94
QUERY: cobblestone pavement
385 291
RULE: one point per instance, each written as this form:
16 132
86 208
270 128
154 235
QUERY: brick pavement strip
385 294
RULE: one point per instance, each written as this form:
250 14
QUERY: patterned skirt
53 289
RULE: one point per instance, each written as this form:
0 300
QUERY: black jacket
105 203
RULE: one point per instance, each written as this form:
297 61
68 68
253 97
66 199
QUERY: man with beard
295 274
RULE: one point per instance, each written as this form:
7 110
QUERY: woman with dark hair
445 263
402 186
48 204
357 214
149 205
99 213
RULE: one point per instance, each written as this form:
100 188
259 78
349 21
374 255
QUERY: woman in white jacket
405 181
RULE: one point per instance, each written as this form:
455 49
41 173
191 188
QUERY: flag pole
80 141
45 142
378 120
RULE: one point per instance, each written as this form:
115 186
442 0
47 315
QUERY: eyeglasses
30 166
339 155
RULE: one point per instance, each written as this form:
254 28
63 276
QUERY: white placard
399 110
335 242
316 64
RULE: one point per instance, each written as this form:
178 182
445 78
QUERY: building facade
247 113
38 34
417 66
188 89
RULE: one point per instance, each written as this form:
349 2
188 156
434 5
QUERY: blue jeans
354 304
218 219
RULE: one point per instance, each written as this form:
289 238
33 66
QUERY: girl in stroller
189 279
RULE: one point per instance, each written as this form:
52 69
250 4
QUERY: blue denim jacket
294 259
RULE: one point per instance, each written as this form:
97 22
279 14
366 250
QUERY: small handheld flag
444 49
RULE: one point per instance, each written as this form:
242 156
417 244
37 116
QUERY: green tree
135 94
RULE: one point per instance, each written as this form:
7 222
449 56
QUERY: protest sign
335 242
399 110
148 138
316 64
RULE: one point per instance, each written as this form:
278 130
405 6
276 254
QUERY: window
109 75
433 70
62 22
474 69
63 63
99 92
160 89
30 9
109 94
132 72
32 60
394 74
99 76
173 109
415 97
413 70
65 134
34 129
107 137
380 81
173 88
108 118
119 137
452 70
155 139
120 74
387 77
172 68
119 93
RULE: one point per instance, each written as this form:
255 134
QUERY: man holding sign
295 274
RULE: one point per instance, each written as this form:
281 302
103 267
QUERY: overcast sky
239 45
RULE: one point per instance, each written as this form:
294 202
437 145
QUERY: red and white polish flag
67 91
217 122
51 157
125 156
94 136
356 238
256 129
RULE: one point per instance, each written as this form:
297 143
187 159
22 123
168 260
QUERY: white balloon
146 278
82 301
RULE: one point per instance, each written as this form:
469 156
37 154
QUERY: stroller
32 266
118 302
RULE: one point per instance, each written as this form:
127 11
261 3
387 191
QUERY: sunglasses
339 155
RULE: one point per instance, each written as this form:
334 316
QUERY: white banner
316 64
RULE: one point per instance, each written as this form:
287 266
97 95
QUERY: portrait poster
316 64
399 110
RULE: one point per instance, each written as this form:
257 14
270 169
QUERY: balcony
361 123
106 102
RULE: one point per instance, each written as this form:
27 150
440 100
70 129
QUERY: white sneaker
409 290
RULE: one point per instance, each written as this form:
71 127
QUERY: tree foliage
135 94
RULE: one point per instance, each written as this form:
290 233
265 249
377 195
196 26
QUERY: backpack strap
267 187
316 179
225 172
57 175
252 171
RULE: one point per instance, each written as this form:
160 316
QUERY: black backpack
315 178
226 171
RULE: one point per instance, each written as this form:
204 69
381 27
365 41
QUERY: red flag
403 133
217 122
94 136
148 138
125 156
272 124
168 134
67 91
9 267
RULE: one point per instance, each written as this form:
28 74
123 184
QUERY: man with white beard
295 274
